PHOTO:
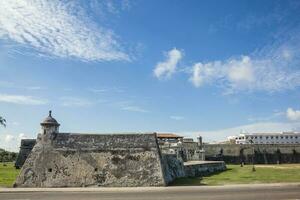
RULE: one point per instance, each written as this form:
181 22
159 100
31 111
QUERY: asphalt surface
238 192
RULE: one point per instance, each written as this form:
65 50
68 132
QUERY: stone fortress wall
262 153
79 160
68 149
92 160
25 149
186 151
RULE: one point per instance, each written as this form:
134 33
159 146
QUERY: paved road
173 193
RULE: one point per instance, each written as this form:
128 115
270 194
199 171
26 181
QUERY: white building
268 138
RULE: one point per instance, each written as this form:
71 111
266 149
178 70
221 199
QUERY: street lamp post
253 155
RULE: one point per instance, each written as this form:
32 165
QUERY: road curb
147 189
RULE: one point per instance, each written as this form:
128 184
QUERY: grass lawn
8 174
243 175
233 175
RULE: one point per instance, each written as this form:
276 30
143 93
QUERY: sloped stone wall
25 149
79 160
173 168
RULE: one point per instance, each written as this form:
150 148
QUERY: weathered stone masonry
77 160
81 160
25 149
261 153
92 160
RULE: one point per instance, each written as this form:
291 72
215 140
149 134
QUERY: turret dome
49 120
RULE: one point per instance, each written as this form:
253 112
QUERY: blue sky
210 68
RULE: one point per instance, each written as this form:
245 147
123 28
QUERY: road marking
19 199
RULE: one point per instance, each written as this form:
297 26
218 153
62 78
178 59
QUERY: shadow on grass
193 181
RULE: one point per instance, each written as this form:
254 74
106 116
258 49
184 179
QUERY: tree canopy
2 121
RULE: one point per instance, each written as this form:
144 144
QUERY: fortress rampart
79 160
58 159
261 153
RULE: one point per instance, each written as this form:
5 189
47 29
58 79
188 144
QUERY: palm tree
2 121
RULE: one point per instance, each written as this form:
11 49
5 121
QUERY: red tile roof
168 135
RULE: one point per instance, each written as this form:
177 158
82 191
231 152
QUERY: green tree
2 121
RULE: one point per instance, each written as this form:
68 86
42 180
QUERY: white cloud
13 124
129 105
106 8
22 136
33 88
240 71
237 73
98 90
6 84
134 109
273 68
58 28
293 115
205 73
11 142
287 54
176 117
265 127
75 102
274 116
167 68
107 90
8 138
247 74
197 78
20 99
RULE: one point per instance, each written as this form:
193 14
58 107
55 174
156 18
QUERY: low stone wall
203 168
260 153
175 168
